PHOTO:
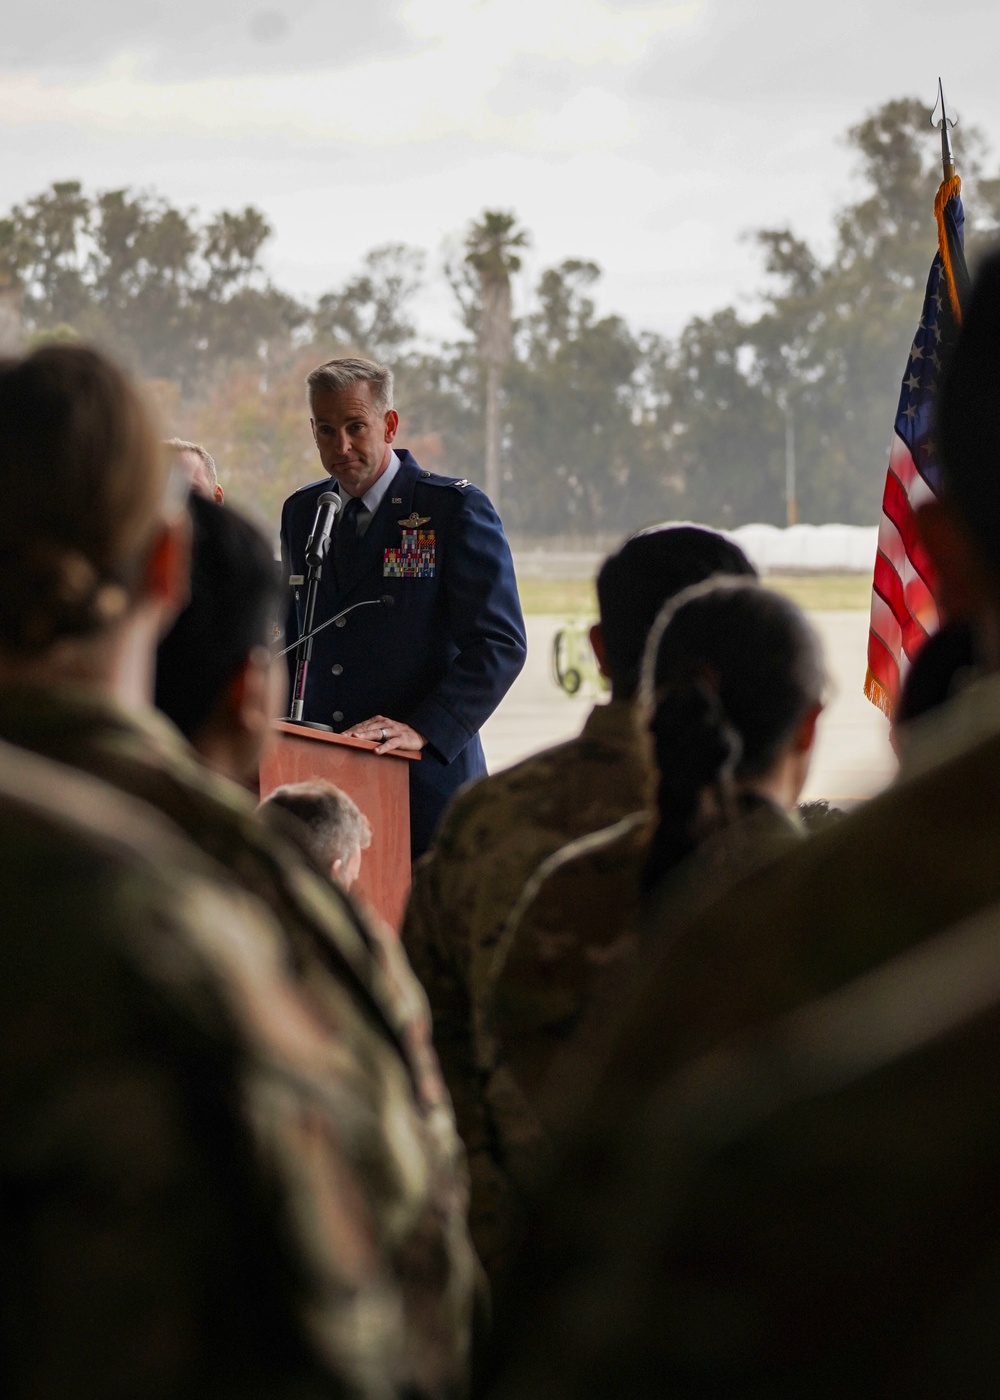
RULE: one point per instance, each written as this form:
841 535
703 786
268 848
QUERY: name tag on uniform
295 579
415 557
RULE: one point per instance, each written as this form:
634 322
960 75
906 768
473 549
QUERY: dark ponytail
730 671
696 751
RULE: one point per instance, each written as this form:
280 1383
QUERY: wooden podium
379 784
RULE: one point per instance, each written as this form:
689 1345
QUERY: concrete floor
853 758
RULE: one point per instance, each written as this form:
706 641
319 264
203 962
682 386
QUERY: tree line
575 421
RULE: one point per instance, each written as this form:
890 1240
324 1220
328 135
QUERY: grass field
813 592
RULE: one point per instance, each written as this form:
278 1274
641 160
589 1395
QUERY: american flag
904 612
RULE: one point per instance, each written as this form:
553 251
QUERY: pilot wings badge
414 521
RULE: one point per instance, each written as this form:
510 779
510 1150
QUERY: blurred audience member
332 827
784 1183
497 832
214 674
732 689
94 567
199 467
335 833
167 1141
945 664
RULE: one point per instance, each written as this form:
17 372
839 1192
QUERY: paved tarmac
853 757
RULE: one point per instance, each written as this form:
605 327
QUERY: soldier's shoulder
461 484
303 495
608 859
457 495
621 843
510 795
310 486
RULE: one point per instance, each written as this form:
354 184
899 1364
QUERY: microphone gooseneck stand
316 550
385 601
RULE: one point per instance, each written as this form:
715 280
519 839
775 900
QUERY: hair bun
47 592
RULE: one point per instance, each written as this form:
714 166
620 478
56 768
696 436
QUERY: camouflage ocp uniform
179 1214
785 1185
494 835
573 948
405 1150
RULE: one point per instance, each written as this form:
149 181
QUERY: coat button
338 715
341 622
337 670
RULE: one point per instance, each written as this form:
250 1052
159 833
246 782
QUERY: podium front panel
378 783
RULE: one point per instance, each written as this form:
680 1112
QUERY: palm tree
490 251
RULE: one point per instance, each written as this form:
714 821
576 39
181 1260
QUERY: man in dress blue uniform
424 673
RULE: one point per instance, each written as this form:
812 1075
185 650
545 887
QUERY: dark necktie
350 533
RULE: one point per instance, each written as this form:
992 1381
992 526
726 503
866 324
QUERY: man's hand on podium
388 734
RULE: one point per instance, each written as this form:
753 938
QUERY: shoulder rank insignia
414 521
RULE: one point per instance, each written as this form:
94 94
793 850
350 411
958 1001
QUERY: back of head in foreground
92 546
634 583
330 826
214 674
732 688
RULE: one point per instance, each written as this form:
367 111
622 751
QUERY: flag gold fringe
949 190
876 692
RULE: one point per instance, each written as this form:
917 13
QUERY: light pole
791 502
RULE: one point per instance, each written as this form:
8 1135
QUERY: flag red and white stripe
903 612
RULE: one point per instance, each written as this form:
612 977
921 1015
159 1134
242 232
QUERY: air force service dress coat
442 655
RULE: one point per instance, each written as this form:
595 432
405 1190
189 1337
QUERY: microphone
319 541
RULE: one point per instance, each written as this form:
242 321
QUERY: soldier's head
962 531
945 664
733 684
331 827
353 421
215 677
651 568
93 531
199 465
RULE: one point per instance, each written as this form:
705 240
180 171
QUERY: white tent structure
815 549
826 549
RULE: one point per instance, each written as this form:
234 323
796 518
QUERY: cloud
587 33
177 37
451 79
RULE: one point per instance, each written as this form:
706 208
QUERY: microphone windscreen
387 599
330 498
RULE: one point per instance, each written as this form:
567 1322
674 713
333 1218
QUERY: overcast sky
647 136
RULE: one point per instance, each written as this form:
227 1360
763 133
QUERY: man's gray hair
337 375
178 445
332 826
